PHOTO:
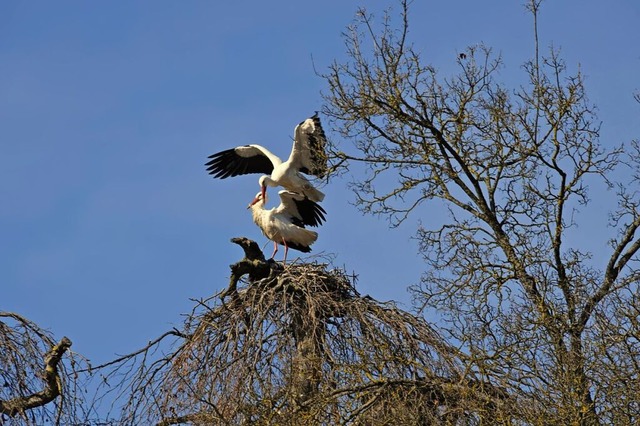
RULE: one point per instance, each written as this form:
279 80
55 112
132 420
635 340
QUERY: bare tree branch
53 386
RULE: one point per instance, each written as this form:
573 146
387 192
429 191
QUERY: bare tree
37 385
512 167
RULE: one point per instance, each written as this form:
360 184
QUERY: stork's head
260 198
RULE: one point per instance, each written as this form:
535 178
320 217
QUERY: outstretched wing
308 153
242 160
300 209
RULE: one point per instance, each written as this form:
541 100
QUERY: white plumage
307 156
285 224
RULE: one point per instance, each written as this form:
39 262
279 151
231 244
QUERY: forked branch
53 384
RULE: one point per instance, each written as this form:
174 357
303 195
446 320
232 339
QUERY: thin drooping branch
134 354
53 386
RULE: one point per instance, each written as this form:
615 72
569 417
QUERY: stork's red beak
255 200
263 190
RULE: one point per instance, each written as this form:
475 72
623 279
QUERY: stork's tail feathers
300 247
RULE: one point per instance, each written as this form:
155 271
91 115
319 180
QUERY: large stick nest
299 345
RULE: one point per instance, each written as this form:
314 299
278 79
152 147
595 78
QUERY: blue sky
109 223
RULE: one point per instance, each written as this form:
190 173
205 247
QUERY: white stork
285 224
307 156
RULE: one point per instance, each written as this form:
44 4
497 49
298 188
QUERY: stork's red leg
286 250
275 250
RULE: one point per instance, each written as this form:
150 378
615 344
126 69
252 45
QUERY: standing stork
307 156
285 224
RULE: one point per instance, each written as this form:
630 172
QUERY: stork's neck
259 214
267 181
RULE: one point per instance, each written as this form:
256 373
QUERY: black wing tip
228 163
312 213
222 153
219 174
319 219
320 209
216 169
